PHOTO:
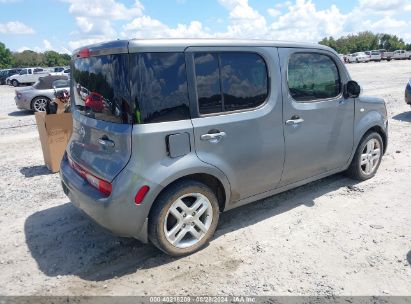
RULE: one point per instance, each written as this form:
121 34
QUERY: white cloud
245 22
273 12
146 26
297 20
107 9
15 27
47 45
23 48
381 5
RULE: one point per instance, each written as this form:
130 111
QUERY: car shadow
32 171
64 241
21 113
405 116
409 257
282 202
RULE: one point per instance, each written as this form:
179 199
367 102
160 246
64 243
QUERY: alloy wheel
370 156
39 104
188 220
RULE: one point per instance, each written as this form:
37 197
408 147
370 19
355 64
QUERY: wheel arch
210 180
382 133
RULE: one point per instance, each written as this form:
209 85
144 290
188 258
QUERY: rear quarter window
159 87
107 78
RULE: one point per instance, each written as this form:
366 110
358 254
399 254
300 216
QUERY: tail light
101 185
18 94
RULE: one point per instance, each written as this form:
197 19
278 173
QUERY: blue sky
64 25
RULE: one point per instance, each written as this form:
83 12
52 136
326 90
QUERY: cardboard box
55 132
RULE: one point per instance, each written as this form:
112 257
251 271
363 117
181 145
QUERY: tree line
365 41
352 43
29 58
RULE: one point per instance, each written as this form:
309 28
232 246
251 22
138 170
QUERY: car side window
208 83
312 77
230 81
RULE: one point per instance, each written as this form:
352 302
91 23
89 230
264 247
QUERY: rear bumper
115 213
22 104
408 94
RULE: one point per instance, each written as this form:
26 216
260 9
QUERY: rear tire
367 157
39 104
183 218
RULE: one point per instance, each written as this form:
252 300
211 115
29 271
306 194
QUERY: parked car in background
349 58
401 54
37 96
27 76
4 74
163 165
65 72
342 57
374 55
385 55
408 93
361 57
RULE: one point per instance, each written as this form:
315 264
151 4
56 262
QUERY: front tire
367 157
15 83
183 218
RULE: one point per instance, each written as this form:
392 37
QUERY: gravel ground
333 236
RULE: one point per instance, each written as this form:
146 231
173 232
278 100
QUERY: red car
95 102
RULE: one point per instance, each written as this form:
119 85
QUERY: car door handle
105 142
213 137
294 121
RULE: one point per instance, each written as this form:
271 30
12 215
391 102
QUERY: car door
30 76
236 97
318 120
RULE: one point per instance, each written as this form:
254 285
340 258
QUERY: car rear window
135 88
106 77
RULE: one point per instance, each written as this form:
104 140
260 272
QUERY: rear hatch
101 140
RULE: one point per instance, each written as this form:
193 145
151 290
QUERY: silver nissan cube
169 133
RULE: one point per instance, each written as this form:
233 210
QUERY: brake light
84 53
141 194
18 95
101 185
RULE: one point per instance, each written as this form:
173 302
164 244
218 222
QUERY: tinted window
230 81
159 87
244 80
312 77
208 83
23 72
100 88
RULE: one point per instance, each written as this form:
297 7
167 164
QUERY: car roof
179 45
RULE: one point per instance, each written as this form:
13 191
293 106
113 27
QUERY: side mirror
352 89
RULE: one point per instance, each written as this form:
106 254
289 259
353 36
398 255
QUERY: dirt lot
334 236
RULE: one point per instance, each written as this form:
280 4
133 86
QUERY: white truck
27 76
401 54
